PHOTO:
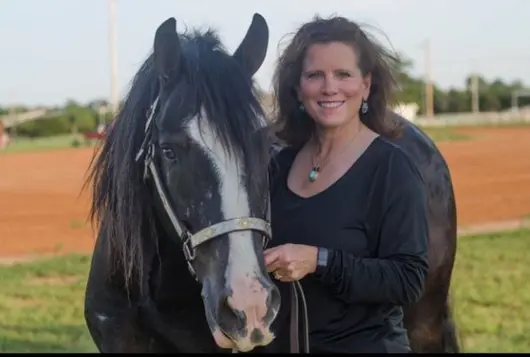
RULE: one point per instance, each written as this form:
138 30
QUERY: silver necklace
318 167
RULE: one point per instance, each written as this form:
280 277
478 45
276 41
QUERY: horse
180 198
429 321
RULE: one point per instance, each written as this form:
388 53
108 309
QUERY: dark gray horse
429 321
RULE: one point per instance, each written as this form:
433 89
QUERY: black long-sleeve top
373 220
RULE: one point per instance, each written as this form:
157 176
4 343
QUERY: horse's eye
168 153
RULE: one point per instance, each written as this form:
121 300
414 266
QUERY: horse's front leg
117 332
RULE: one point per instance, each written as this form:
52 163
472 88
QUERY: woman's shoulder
394 160
281 154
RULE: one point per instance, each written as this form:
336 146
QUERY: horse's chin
222 340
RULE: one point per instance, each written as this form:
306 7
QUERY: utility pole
474 88
114 98
429 91
474 93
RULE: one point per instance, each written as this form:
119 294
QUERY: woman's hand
291 262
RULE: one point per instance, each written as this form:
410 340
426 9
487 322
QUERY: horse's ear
167 50
253 49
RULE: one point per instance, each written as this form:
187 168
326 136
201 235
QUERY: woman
349 213
4 138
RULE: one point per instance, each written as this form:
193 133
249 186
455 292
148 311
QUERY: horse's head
209 167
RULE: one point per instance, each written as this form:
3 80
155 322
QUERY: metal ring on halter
189 251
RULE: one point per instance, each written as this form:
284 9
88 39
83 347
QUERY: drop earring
301 107
364 107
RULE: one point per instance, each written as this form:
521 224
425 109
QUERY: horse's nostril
274 298
256 336
229 319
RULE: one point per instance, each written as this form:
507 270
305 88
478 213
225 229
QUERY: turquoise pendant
313 174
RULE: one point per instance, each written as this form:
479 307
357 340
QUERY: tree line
496 95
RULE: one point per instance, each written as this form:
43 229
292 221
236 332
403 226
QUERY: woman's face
331 84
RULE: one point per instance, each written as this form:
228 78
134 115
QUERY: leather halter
191 241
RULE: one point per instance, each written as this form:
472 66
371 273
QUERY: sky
56 50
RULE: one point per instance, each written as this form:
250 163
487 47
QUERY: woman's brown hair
293 126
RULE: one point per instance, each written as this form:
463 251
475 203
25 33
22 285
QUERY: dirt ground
491 174
42 210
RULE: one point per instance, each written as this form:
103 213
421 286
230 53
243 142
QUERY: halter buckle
189 252
266 241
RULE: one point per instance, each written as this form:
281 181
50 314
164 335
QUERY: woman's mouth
330 104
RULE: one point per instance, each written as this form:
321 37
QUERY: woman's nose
329 86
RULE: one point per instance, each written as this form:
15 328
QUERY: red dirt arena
43 211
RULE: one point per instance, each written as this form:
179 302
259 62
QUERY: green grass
22 144
445 134
491 292
41 306
41 303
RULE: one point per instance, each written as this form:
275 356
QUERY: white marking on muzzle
248 294
234 198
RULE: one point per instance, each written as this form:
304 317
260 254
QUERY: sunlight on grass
41 303
45 143
41 306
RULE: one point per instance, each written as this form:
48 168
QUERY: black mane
227 96
121 202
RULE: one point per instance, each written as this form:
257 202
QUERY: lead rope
297 291
305 317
